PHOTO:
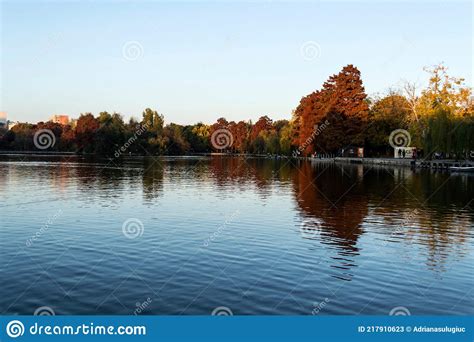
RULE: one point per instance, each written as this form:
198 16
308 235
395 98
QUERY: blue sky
198 61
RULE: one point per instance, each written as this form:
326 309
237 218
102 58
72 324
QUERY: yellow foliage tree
444 92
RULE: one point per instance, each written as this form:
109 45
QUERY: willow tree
445 114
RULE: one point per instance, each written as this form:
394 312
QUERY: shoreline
419 163
436 164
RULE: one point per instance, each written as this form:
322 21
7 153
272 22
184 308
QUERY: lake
233 235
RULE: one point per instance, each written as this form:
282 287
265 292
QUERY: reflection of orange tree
341 222
226 170
413 212
241 172
316 191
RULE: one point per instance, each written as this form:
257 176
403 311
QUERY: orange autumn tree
308 114
221 125
258 134
342 103
240 132
263 124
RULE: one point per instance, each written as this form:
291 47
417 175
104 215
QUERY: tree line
438 119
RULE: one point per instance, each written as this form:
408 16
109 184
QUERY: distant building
60 119
3 119
404 152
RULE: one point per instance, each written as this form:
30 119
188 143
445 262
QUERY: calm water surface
255 236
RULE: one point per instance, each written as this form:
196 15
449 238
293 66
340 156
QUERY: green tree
111 133
198 137
386 114
153 137
175 141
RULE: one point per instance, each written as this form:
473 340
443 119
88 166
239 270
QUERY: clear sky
197 61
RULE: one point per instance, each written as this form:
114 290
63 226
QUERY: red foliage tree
342 102
68 138
215 140
240 132
263 124
309 113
